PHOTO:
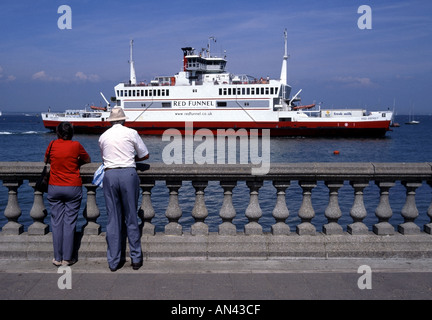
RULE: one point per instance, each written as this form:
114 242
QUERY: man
121 147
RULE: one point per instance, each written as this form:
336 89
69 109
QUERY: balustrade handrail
377 171
411 175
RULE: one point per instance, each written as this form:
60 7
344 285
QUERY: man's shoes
136 265
56 263
69 262
119 266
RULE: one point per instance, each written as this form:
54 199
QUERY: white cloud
8 78
43 76
355 81
82 76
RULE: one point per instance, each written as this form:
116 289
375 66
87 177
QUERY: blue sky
331 59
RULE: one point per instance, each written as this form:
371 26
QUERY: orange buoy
336 152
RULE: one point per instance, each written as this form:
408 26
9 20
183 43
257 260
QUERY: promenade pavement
234 280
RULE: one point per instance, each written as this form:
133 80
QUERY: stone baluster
173 211
306 212
227 211
12 211
199 211
384 211
253 210
91 211
333 211
428 226
146 211
358 211
409 211
280 212
38 212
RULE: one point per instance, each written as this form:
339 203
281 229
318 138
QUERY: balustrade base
199 228
306 228
173 229
148 229
357 228
409 228
213 246
38 228
253 228
332 228
92 228
280 228
383 229
12 228
227 229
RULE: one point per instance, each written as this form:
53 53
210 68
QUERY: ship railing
333 177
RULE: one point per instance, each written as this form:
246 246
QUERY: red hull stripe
374 128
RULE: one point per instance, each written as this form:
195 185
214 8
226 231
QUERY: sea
24 138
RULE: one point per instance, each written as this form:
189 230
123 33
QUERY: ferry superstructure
206 95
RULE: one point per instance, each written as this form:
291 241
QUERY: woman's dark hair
65 131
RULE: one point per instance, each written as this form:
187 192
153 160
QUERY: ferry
205 95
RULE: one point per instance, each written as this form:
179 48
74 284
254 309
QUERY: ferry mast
132 79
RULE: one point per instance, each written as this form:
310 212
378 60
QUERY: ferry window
276 90
159 93
220 91
154 92
266 90
229 91
238 91
248 90
167 92
243 91
126 93
133 92
150 93
163 92
225 91
130 93
252 90
142 93
271 90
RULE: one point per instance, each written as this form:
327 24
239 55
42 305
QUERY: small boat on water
412 122
206 95
411 118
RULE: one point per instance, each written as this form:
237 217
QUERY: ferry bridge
285 250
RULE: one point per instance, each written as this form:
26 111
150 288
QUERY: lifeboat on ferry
98 108
309 106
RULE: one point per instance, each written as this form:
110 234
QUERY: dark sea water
24 138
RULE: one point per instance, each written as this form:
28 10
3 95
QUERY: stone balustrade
359 176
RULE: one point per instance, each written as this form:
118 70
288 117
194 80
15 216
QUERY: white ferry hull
156 122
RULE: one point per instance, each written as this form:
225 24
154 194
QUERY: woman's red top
65 158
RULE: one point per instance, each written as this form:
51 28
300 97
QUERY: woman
65 191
